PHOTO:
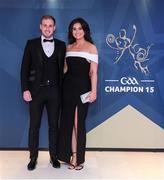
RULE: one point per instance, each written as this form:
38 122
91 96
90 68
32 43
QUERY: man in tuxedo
41 80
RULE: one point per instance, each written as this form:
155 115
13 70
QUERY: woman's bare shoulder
92 48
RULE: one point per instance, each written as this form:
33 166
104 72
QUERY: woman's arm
93 76
65 67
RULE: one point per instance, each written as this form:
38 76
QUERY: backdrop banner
129 35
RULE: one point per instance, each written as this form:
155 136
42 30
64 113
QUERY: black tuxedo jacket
31 68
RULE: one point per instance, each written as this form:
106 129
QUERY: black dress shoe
55 163
32 164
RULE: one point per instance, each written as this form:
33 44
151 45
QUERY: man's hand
27 96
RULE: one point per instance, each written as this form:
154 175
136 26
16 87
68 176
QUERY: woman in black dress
80 77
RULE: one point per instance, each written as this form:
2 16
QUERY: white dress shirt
48 47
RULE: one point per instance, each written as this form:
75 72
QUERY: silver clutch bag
84 98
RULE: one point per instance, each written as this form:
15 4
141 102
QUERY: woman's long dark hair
85 27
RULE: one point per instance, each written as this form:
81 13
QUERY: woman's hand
92 96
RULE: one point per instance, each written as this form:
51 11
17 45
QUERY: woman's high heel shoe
72 164
79 167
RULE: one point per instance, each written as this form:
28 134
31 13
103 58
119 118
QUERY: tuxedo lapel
57 52
56 48
39 50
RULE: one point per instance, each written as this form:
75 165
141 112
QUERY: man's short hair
47 17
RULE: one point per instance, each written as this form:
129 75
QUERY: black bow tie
48 40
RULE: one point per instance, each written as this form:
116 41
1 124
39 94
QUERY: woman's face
77 31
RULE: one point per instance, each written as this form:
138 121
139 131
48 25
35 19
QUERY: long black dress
76 82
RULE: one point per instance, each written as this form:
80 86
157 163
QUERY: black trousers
47 97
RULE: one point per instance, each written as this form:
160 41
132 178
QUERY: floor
110 165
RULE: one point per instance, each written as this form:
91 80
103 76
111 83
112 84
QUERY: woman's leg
73 164
74 143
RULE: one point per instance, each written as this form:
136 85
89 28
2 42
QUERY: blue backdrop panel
129 35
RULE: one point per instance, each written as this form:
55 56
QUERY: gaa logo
129 81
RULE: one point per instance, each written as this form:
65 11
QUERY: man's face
47 28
